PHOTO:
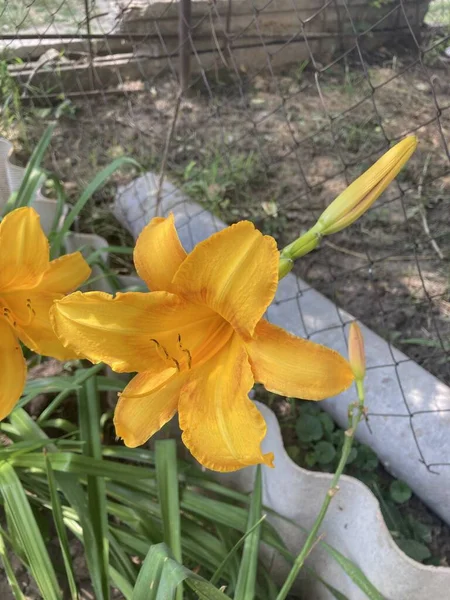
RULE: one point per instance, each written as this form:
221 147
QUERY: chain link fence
282 104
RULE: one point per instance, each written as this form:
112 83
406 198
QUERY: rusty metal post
184 43
87 14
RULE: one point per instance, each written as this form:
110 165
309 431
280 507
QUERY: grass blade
93 186
246 583
167 479
89 422
26 528
354 572
60 528
160 575
32 176
10 575
76 382
218 572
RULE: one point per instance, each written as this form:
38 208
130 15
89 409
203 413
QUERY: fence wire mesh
285 102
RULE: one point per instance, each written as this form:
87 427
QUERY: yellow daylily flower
198 342
29 283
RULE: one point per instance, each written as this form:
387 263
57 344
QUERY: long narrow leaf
167 479
354 572
160 575
246 584
60 528
89 422
218 572
71 489
30 537
13 583
32 176
95 184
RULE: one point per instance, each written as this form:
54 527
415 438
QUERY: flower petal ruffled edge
291 366
234 272
158 253
146 404
221 426
64 274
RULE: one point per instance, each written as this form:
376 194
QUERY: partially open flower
29 283
198 342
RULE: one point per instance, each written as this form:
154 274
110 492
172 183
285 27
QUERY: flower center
185 351
17 311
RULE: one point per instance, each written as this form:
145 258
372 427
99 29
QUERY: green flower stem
301 246
355 414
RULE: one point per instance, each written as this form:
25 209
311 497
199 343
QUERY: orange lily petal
291 366
30 311
14 369
65 274
147 403
24 253
158 253
234 272
133 331
221 426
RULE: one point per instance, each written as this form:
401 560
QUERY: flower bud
356 353
362 193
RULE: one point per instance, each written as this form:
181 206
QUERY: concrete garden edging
395 384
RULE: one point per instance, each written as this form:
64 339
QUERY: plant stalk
355 414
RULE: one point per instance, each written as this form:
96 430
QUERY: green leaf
29 536
33 177
413 549
93 186
352 456
10 575
218 572
309 428
167 480
160 575
327 422
420 530
310 459
76 383
324 452
400 492
354 572
61 529
89 422
333 591
246 583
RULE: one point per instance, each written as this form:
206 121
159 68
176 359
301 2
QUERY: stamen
186 351
160 347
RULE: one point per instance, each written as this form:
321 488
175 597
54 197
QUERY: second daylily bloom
198 342
29 283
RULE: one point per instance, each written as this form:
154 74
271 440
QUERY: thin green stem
355 414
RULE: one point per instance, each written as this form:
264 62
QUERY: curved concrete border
354 525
